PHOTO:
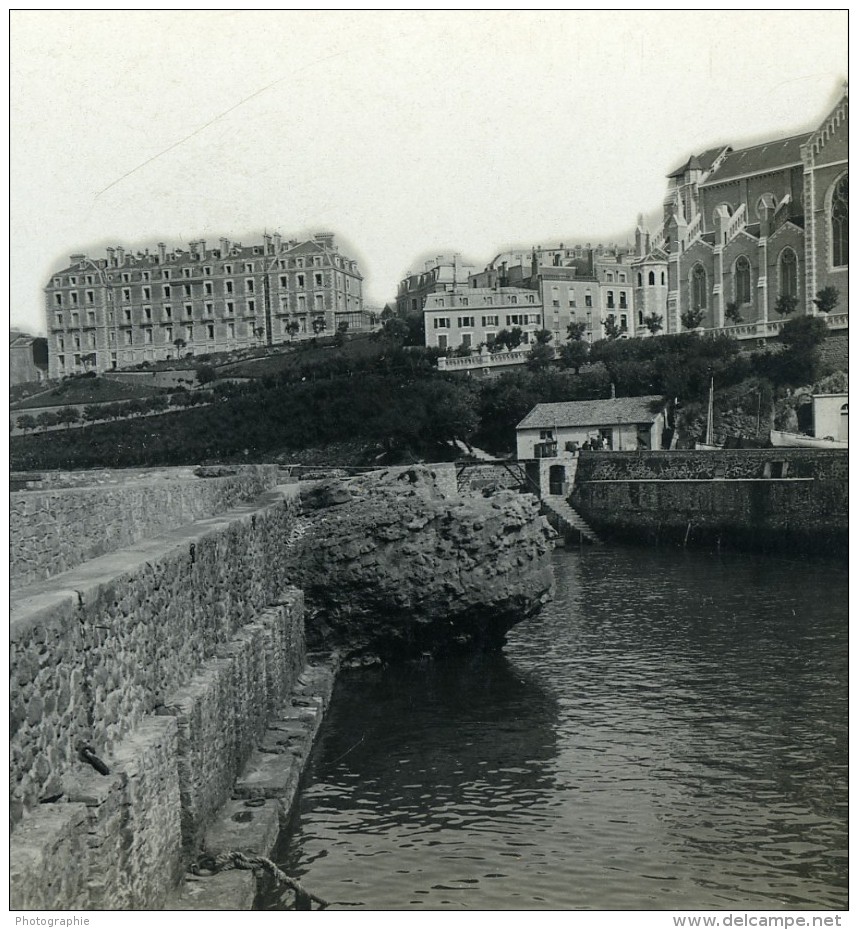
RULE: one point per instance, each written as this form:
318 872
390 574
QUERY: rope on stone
238 860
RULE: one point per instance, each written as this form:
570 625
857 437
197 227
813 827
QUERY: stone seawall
68 518
167 659
793 500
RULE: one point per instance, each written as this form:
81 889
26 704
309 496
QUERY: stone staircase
566 520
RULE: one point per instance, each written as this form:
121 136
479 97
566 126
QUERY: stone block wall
69 518
773 499
822 464
478 477
167 659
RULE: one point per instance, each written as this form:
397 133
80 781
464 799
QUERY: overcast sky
406 134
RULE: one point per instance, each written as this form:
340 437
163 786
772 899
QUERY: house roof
759 159
236 253
605 412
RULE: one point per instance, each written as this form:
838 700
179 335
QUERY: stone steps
262 797
567 520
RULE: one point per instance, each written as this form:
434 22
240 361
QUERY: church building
751 235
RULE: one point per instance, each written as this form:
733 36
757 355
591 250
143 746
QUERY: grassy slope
86 391
302 355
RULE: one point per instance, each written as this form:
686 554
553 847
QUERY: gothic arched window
652 277
662 277
640 280
789 273
698 287
840 224
742 282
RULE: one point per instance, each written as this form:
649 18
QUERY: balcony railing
545 450
484 360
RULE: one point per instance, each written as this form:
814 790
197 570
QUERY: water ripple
669 733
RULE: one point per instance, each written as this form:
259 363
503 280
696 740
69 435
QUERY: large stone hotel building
134 307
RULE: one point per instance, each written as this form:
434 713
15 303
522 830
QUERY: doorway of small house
556 479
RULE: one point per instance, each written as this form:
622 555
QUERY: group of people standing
593 444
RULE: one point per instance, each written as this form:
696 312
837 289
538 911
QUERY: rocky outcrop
391 566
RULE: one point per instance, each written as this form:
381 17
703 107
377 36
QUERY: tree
574 354
93 412
575 331
46 419
731 312
785 304
68 415
342 326
691 319
179 344
540 357
612 330
26 422
318 324
804 332
508 339
291 327
543 337
259 331
206 374
395 329
827 299
654 322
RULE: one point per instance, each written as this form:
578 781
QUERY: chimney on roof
201 245
267 243
613 391
277 242
162 252
111 259
120 255
224 245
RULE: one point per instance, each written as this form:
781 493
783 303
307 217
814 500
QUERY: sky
406 134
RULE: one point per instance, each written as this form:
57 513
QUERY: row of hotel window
467 322
208 289
191 272
148 336
299 305
76 342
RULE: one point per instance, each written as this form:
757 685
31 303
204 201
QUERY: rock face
391 567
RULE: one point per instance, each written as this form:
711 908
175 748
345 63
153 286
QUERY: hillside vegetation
386 402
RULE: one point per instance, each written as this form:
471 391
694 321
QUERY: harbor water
670 733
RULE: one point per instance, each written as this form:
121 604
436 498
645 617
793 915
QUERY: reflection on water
670 733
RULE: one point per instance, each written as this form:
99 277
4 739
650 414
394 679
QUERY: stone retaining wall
479 477
69 518
793 500
822 464
166 658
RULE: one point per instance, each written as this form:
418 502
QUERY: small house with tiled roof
623 424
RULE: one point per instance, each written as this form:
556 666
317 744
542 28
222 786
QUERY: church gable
830 142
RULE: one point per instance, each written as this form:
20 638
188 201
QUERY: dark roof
759 159
593 412
702 162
